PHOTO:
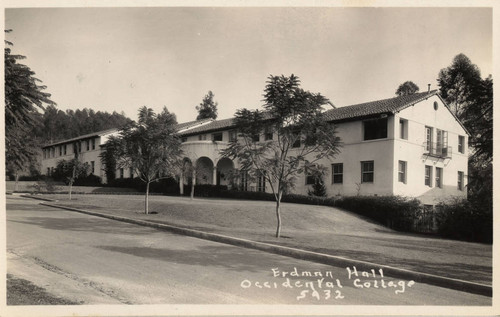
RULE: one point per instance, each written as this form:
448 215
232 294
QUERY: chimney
428 87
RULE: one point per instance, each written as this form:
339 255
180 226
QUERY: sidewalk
312 228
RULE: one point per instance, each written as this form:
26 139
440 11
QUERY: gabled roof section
211 126
217 125
181 127
367 109
83 137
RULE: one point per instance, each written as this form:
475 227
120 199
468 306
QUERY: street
92 260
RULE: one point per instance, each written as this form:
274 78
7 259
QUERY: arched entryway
225 170
204 171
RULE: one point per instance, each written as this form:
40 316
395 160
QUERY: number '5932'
327 294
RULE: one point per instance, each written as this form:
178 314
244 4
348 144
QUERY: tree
108 158
23 96
150 147
295 137
478 119
318 188
407 88
69 171
457 82
471 99
207 108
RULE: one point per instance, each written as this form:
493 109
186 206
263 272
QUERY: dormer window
375 129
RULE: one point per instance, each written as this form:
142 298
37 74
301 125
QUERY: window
460 182
338 173
243 180
232 135
255 138
375 129
402 172
367 168
441 142
439 177
268 134
217 136
428 139
310 179
202 137
121 172
131 172
87 144
261 182
428 175
461 144
65 149
184 139
44 154
92 167
60 150
93 144
403 129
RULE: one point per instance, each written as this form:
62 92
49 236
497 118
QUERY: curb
451 283
39 198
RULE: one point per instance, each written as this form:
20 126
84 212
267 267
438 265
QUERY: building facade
411 146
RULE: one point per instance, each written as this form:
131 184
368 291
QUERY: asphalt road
98 261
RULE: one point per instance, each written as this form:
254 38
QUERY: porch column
214 176
181 183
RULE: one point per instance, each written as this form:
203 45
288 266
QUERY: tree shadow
228 257
93 224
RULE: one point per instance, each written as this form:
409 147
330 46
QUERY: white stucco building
410 145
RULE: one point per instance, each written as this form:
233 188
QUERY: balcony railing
437 150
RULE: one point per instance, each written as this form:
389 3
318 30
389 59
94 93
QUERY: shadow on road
227 257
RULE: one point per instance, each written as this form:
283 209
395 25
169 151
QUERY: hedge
465 220
396 212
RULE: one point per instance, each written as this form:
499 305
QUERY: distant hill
56 125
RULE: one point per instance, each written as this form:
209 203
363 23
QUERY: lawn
316 228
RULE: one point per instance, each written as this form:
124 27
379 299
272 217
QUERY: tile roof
212 126
187 125
81 137
353 112
391 105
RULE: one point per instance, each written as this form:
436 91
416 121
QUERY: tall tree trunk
73 176
146 201
193 182
181 184
278 215
16 176
70 188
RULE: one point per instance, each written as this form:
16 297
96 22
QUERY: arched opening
187 172
225 171
204 171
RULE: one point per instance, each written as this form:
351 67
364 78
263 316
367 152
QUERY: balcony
437 150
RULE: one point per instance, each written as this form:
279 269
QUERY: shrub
465 220
395 212
205 190
45 185
318 188
89 180
167 186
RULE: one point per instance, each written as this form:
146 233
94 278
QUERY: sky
120 59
